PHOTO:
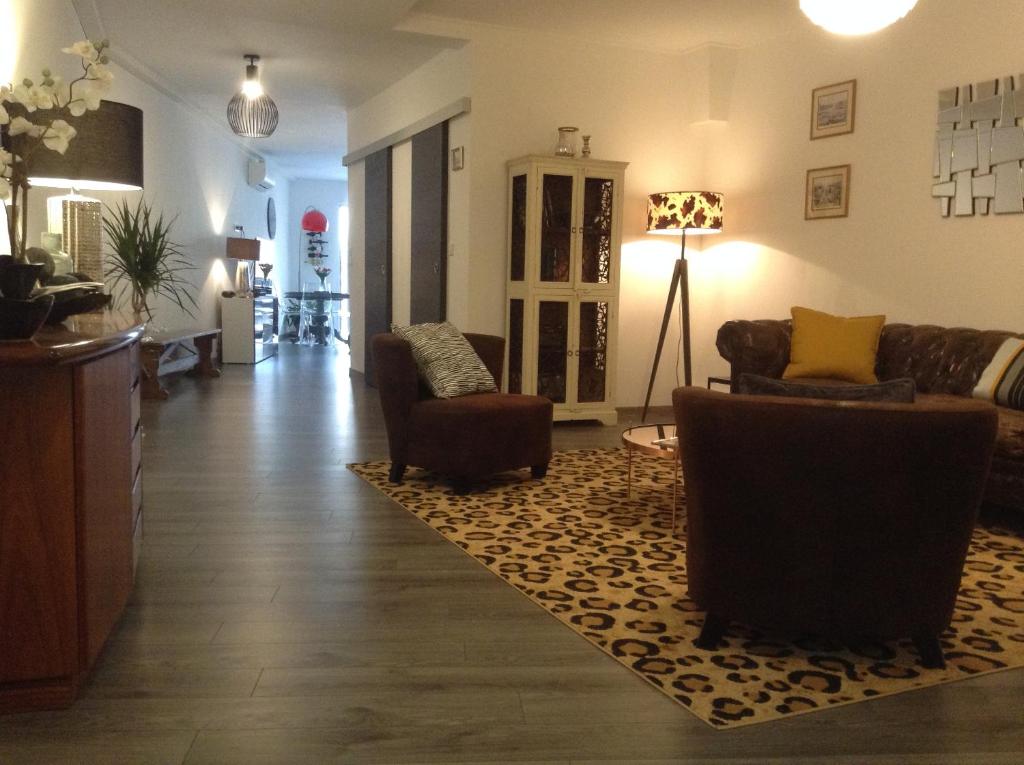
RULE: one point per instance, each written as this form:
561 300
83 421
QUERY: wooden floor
287 613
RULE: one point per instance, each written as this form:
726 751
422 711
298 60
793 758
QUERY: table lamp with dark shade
680 212
245 251
105 155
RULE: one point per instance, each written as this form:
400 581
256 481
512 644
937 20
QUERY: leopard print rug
608 568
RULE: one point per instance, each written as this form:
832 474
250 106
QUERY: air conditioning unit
258 175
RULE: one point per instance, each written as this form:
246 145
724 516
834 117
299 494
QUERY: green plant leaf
143 259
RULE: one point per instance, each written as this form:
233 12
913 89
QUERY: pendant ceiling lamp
314 221
855 17
252 113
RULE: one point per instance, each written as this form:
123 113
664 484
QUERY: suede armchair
849 519
465 438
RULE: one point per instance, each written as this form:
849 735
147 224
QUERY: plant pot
20 319
17 280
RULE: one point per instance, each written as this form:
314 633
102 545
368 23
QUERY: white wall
437 84
459 191
194 169
894 254
326 196
523 86
357 262
401 232
738 122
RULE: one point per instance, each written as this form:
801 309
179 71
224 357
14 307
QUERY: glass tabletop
643 438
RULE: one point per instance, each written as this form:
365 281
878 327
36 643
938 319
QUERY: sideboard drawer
134 365
136 453
137 497
136 411
136 543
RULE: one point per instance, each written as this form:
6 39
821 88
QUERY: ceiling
320 57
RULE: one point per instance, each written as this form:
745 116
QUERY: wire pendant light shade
252 113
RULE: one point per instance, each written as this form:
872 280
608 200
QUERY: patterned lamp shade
691 212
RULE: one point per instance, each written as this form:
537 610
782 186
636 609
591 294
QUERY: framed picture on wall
832 109
828 192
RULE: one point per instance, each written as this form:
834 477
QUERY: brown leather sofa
944 363
464 438
848 519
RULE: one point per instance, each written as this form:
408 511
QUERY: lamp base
680 279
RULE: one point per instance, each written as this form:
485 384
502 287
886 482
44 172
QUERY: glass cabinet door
592 351
556 228
553 349
517 230
596 231
515 346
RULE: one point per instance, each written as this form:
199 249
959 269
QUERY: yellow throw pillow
833 346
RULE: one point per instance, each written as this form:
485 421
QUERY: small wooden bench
164 353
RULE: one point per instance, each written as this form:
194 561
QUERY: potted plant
142 258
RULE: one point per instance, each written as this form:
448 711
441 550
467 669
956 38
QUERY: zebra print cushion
446 360
1002 381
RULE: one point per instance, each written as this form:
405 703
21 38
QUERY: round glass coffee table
658 441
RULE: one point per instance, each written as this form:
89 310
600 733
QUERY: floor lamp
680 212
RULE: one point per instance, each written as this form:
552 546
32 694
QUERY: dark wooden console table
176 351
70 502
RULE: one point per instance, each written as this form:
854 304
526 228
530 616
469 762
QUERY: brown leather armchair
837 518
468 437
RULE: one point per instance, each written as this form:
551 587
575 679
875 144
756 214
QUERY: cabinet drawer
136 454
136 543
137 497
134 364
136 409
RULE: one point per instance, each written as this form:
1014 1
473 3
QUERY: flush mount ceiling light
855 17
252 113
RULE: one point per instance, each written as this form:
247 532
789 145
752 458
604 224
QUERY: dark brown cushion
899 391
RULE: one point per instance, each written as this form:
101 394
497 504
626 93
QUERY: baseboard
630 415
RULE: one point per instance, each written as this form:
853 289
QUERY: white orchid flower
4 116
58 136
57 91
100 74
88 100
83 48
5 93
34 97
21 125
6 158
5 189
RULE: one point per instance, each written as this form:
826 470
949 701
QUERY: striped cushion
446 360
1003 378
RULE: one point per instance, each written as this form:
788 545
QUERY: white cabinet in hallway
247 326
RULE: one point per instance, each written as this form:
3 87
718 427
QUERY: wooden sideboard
70 502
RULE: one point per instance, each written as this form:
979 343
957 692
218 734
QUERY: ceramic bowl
20 319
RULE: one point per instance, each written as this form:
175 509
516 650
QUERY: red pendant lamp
314 221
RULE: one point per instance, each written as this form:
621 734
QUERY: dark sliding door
377 314
429 220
